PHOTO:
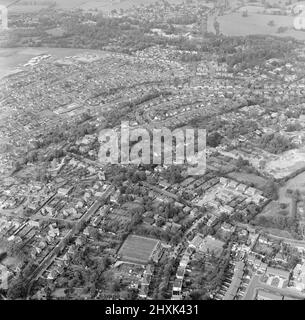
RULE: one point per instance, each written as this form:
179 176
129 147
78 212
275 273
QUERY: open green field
137 249
274 209
235 25
279 233
5 2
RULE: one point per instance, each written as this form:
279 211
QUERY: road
292 242
168 194
75 230
256 285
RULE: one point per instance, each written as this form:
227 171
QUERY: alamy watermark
4 17
136 146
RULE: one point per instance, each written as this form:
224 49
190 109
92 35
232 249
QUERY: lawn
263 249
272 209
137 249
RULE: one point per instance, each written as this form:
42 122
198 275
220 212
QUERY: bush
283 213
275 143
282 29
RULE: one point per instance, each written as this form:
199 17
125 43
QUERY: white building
299 276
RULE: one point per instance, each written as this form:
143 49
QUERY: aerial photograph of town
92 207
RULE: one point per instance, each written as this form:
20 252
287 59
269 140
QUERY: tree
116 286
291 127
271 190
282 29
173 174
3 255
216 27
160 221
176 219
214 139
241 163
198 294
92 290
17 166
17 289
94 233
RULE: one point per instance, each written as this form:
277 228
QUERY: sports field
137 249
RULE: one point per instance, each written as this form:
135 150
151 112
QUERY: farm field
137 249
236 25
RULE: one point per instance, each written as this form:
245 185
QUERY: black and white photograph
152 153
